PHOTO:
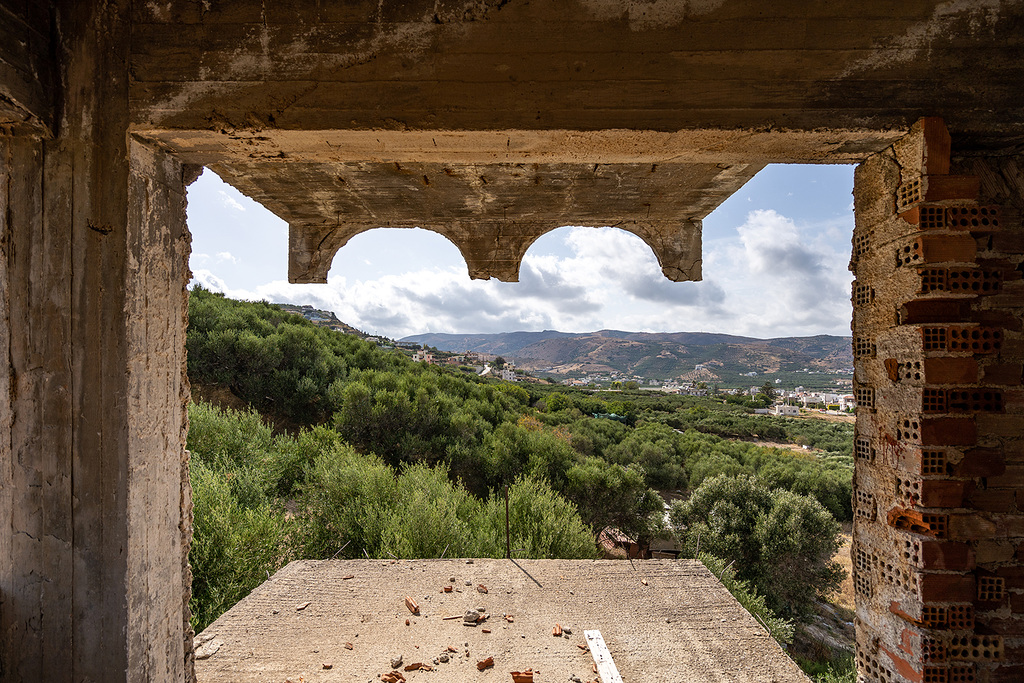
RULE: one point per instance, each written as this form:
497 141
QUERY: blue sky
775 264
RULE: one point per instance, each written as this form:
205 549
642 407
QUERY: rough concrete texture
300 95
938 304
485 210
662 621
285 97
93 282
582 65
26 73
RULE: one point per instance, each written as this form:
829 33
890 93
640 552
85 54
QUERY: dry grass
844 598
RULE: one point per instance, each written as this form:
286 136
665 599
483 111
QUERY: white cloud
226 257
229 201
774 280
781 279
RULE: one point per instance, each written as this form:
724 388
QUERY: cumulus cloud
229 201
781 279
775 279
226 257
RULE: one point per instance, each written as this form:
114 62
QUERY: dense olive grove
393 458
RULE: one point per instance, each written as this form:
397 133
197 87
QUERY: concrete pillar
93 266
938 351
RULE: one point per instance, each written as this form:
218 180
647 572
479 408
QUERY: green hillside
376 456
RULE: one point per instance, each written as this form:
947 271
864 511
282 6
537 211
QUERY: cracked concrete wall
94 510
26 93
938 303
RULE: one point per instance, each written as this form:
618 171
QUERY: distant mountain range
656 355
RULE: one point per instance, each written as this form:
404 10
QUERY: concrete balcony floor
662 620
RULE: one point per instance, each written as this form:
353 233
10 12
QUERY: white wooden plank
602 657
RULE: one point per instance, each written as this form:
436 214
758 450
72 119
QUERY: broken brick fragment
481 588
411 604
485 663
349 646
522 676
557 630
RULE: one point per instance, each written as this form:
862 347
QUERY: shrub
782 543
234 548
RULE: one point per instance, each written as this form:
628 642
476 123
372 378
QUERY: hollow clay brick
939 188
968 526
936 146
1003 374
942 494
946 587
930 311
948 248
948 431
993 500
980 462
948 555
950 370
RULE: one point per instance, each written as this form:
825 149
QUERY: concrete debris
208 649
396 662
471 617
302 606
203 638
443 658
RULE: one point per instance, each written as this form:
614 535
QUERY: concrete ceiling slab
491 211
285 99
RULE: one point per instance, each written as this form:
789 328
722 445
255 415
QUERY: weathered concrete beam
583 65
491 212
248 146
26 99
495 249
